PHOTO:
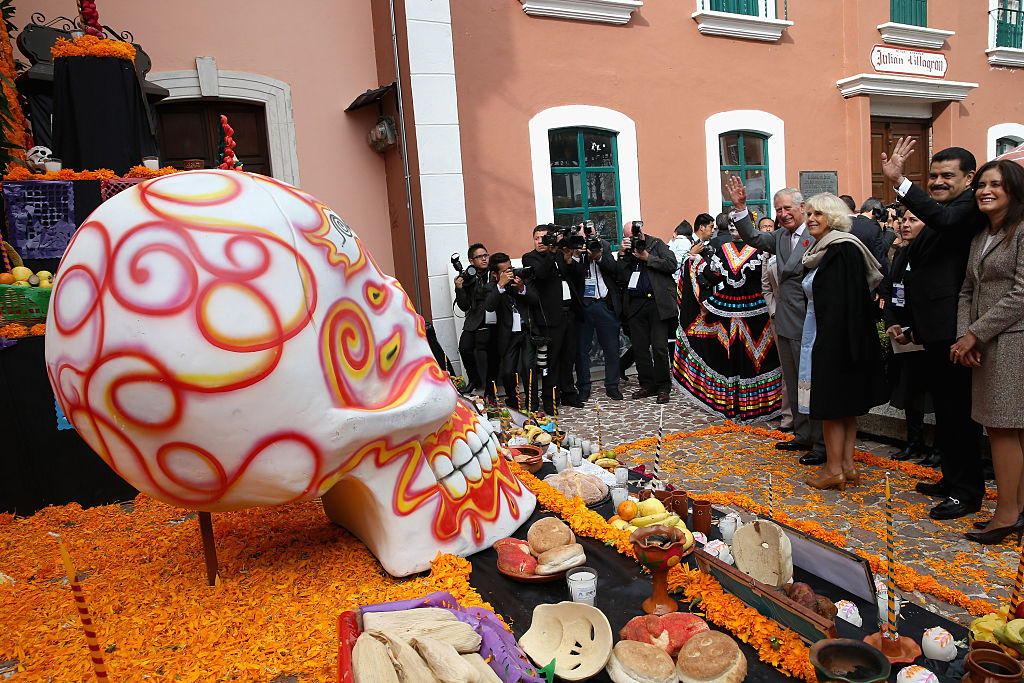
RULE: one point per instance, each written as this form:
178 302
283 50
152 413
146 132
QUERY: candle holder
659 548
702 516
896 648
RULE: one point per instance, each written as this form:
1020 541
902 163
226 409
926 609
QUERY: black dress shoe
982 525
572 402
953 508
930 460
793 446
996 536
911 450
812 458
663 397
935 489
642 393
613 393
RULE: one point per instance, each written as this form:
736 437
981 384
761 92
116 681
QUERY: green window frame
912 12
745 154
585 179
748 7
1010 24
1004 145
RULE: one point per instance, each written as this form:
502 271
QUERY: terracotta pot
842 659
702 516
530 457
680 505
663 496
984 665
658 558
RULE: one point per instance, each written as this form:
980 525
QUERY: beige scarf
813 256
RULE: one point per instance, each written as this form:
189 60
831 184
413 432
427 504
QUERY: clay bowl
655 555
530 457
843 659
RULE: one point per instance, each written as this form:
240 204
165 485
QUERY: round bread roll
559 559
635 662
548 533
711 657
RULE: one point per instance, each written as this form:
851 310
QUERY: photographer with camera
646 266
477 340
514 303
602 305
867 227
551 272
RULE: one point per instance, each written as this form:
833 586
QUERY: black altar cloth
623 585
39 464
99 114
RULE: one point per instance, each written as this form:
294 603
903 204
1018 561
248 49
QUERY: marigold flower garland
775 645
905 577
18 173
18 133
93 46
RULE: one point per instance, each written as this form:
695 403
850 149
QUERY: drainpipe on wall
417 299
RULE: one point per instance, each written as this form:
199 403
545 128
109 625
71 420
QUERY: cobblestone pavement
929 547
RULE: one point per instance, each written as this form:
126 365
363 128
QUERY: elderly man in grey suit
789 242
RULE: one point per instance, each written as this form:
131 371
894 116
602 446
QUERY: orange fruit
627 510
6 279
613 518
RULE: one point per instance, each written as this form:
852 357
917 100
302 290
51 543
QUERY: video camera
558 236
637 240
524 273
590 234
465 273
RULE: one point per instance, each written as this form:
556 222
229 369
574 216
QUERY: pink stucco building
516 112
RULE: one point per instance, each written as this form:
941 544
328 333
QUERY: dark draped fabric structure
725 354
100 118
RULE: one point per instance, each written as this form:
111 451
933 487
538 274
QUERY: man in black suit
513 302
650 306
938 260
602 307
477 339
866 228
549 273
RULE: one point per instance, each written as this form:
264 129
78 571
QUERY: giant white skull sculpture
222 340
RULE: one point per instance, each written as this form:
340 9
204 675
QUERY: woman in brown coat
990 337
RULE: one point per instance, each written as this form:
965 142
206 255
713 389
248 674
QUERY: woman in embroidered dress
840 357
725 349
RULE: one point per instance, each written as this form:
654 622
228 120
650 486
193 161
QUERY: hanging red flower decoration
90 17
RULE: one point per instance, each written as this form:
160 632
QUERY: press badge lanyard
899 292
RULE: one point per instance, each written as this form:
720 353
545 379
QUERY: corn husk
485 674
444 662
458 634
405 619
371 662
410 666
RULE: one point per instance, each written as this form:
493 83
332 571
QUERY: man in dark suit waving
938 260
788 246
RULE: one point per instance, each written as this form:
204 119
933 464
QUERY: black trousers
477 350
956 434
649 335
546 383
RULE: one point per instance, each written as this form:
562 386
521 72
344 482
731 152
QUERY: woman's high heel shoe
824 482
982 525
852 477
996 536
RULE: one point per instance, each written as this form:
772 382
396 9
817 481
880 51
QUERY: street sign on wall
897 60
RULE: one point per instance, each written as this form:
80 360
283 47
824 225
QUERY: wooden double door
884 134
191 129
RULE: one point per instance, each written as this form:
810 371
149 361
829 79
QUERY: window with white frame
746 19
1006 33
1004 137
578 143
748 143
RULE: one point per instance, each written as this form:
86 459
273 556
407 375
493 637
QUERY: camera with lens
465 273
594 245
637 239
524 273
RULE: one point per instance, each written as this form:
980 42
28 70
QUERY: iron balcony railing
753 8
1009 24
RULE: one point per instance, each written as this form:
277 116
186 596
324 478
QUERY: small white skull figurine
37 157
223 340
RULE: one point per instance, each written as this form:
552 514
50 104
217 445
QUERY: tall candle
99 667
771 497
600 443
1015 597
889 561
658 475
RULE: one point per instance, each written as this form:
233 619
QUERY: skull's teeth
456 484
474 441
461 453
442 467
472 470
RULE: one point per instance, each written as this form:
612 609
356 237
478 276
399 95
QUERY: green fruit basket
25 305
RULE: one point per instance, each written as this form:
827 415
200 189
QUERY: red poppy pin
806 242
